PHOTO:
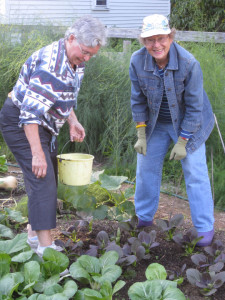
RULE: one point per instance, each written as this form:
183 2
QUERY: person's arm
139 104
193 98
77 132
39 164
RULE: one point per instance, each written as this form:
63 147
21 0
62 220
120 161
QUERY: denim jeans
149 174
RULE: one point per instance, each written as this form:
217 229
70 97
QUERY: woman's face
78 53
158 46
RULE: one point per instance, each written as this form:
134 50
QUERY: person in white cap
169 104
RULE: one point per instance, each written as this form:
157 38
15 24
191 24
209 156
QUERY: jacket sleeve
139 103
193 97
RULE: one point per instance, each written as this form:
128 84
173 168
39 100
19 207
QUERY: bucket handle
71 142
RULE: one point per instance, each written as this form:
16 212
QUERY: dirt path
167 204
174 205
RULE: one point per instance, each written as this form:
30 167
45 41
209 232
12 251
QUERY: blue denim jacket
188 102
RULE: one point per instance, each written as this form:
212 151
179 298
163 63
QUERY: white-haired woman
169 104
42 100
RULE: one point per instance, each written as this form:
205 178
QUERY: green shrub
201 15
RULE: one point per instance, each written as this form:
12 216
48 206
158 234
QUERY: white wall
125 14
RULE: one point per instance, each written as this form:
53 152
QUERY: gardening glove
141 145
179 151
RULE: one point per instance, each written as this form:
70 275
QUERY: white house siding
125 14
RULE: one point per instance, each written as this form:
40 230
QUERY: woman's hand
77 132
39 165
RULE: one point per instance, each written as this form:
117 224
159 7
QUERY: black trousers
42 192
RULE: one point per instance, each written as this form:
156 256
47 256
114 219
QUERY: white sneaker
32 243
40 250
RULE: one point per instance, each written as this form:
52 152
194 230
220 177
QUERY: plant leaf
10 282
114 247
23 256
155 271
128 207
140 252
43 284
108 258
90 294
166 283
89 263
79 273
95 176
50 268
6 232
106 290
15 245
199 259
70 288
15 215
102 238
172 293
176 220
216 267
53 289
109 273
193 276
147 290
100 213
144 237
118 286
31 272
163 224
219 279
79 295
59 258
128 260
5 261
111 182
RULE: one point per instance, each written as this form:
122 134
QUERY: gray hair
88 31
171 36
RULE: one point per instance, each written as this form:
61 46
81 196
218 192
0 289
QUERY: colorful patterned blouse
47 88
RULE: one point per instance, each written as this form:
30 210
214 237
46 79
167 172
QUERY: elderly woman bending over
42 100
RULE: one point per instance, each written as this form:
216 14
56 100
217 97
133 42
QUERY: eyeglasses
85 53
160 40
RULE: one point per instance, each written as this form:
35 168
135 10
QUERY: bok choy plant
156 287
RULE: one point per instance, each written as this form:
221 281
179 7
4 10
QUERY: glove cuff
141 125
182 141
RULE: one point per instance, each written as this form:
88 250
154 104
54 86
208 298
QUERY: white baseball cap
155 24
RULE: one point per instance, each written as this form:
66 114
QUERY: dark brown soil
169 254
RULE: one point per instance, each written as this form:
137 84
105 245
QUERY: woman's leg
42 193
149 173
199 189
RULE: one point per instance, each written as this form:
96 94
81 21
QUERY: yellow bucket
75 168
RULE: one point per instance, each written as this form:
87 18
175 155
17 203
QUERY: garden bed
168 254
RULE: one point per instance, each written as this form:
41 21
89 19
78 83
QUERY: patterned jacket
47 88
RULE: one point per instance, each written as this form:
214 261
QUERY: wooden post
126 46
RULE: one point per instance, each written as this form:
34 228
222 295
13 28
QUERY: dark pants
42 192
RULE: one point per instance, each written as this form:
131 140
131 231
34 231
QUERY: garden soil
169 254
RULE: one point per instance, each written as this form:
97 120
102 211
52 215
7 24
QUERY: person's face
158 46
78 53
